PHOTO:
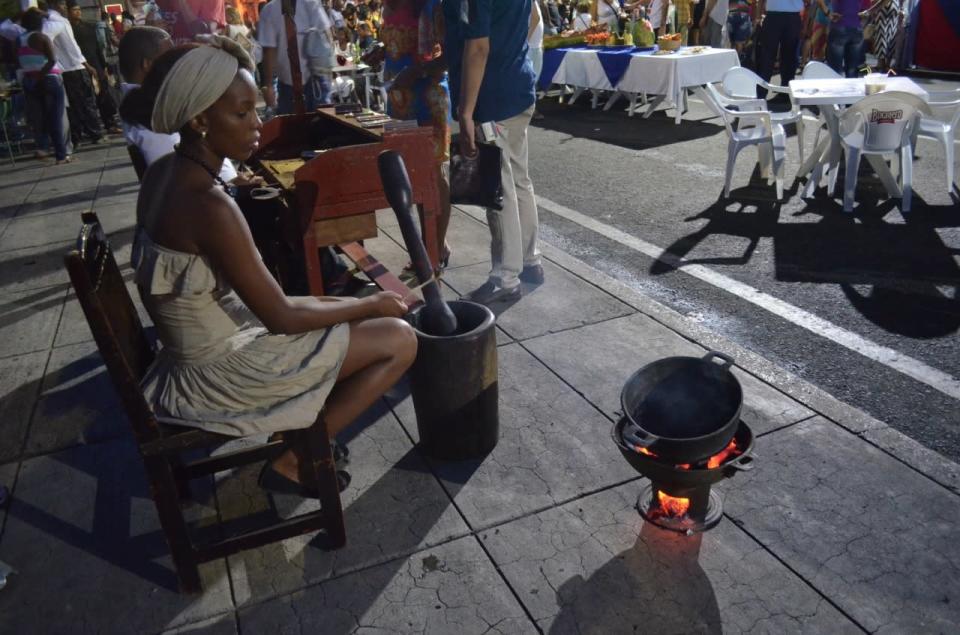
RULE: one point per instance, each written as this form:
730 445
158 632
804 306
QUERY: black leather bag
476 181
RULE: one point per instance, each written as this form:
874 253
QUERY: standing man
85 33
272 34
77 76
781 32
492 87
712 23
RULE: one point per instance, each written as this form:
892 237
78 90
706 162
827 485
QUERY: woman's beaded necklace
231 190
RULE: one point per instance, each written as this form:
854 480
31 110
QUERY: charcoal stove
679 495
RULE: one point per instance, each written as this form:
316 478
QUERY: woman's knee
403 339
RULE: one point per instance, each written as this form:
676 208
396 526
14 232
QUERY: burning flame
717 459
713 462
671 505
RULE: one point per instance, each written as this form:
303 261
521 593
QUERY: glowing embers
674 506
678 496
687 511
731 451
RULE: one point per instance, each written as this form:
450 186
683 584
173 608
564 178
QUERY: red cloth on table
937 42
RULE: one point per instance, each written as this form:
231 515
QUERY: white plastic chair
739 82
942 125
762 132
875 126
819 70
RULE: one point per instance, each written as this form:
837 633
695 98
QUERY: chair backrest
741 82
818 70
139 163
945 106
113 320
886 119
715 101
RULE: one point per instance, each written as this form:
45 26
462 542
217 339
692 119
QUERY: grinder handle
399 193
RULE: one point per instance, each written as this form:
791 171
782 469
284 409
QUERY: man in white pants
492 81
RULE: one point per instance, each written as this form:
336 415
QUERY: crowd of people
76 98
836 31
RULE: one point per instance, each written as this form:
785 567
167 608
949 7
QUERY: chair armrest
944 95
936 103
756 115
775 89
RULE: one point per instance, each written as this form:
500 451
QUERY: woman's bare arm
226 240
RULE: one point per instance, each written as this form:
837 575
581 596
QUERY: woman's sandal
276 483
409 272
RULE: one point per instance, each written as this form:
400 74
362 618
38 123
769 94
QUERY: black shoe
532 274
276 483
341 453
488 293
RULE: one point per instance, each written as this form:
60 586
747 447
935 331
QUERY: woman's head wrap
196 81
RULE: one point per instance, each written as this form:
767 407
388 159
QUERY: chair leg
732 150
322 471
906 175
950 155
778 167
850 177
800 131
167 499
764 158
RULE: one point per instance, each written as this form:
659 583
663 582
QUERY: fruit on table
643 33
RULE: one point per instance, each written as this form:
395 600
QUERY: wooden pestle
436 318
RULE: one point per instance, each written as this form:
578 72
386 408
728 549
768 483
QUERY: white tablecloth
647 73
670 74
842 91
582 69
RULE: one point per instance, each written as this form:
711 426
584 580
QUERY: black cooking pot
682 409
662 472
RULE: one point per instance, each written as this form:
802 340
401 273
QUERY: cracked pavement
844 526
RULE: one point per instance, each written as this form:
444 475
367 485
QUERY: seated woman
239 357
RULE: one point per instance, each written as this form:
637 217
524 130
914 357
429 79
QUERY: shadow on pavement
580 121
893 273
668 591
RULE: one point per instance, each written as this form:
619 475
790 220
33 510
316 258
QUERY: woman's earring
203 135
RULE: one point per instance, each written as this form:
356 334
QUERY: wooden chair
139 163
127 353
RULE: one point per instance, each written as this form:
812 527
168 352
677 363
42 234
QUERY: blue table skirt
613 59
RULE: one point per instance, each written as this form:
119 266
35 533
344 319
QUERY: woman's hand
247 181
387 304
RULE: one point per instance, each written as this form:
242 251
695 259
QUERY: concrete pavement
844 525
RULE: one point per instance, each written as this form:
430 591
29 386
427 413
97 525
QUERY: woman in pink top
42 84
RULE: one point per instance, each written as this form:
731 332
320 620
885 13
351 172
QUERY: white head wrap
196 81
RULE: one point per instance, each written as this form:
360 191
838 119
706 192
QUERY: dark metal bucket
454 385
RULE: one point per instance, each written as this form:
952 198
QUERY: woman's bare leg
444 221
380 351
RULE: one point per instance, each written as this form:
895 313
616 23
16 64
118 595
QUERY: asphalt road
883 278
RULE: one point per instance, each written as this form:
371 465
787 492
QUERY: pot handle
743 463
726 360
630 436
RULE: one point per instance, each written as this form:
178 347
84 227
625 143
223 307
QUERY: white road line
947 384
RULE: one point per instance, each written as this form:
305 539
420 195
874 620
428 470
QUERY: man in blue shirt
781 30
492 81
